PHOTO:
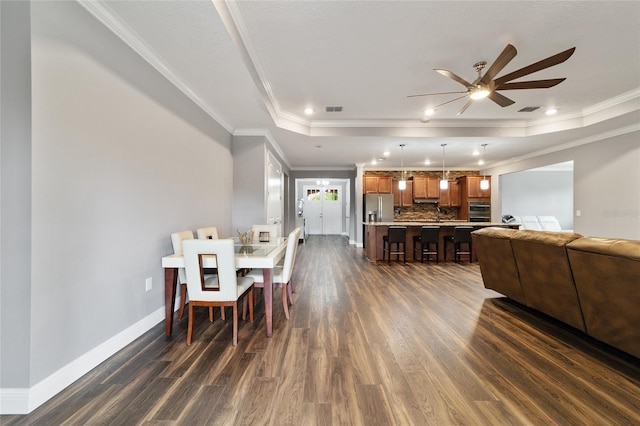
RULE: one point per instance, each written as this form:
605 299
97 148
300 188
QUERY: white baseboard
25 400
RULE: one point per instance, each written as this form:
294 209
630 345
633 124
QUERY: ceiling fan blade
464 108
432 94
448 102
501 100
540 65
535 84
453 76
501 61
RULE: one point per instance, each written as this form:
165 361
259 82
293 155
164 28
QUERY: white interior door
332 210
323 209
275 182
313 209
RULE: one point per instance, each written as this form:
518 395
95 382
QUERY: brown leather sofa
592 284
498 263
607 277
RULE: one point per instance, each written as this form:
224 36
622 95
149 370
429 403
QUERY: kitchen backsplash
419 212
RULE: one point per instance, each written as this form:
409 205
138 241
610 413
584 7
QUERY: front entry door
323 209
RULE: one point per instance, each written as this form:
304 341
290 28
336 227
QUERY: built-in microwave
479 211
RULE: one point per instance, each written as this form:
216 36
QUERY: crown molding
102 13
322 169
584 141
231 17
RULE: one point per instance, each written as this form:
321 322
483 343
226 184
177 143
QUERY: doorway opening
543 191
322 206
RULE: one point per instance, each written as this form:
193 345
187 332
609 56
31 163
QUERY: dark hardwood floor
399 344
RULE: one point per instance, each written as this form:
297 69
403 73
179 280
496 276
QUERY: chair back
397 234
273 230
176 241
204 288
429 234
210 233
290 255
462 234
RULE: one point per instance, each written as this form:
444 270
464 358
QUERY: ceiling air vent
528 109
333 109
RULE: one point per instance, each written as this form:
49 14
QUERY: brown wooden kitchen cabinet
377 184
470 192
470 186
403 198
450 197
426 187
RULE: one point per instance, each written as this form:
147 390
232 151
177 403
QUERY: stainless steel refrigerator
378 208
380 205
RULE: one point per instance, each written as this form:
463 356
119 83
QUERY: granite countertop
434 223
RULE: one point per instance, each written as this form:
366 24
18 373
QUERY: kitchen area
465 201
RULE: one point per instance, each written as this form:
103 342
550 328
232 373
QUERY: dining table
263 255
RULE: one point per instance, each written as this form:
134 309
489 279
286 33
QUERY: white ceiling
256 65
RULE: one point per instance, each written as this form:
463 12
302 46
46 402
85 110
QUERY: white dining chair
282 273
223 289
177 239
210 233
273 230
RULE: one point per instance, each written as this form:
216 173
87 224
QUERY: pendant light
444 183
402 185
484 183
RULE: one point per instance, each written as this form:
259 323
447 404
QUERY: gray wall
249 199
15 194
539 193
120 159
606 184
250 154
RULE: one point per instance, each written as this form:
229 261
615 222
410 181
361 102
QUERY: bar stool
427 239
461 235
397 235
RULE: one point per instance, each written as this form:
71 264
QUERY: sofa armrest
607 276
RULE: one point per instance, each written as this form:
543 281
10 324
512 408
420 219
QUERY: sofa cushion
497 262
545 274
607 277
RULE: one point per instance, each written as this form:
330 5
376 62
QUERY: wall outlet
148 284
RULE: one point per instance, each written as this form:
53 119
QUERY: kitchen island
374 231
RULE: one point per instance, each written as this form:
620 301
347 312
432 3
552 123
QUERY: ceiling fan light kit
487 86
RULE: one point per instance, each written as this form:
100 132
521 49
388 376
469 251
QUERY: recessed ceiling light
551 111
429 111
476 152
308 111
386 153
480 162
374 162
427 162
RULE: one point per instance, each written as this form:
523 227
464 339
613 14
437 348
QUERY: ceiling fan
485 86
